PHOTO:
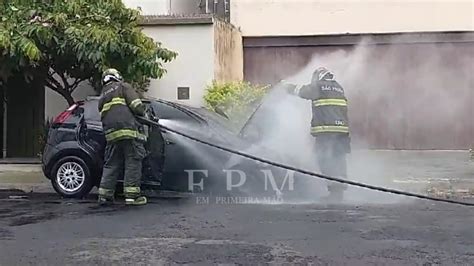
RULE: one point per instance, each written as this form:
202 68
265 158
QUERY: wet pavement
42 229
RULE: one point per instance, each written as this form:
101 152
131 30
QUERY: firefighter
329 126
118 105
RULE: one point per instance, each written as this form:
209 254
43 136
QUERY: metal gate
411 91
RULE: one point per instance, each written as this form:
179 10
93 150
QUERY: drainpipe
226 10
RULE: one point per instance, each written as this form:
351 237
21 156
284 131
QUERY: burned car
73 156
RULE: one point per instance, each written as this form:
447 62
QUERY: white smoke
373 78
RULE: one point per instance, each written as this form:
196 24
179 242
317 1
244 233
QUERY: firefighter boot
141 200
133 197
106 197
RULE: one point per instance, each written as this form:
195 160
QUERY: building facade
321 17
208 49
406 65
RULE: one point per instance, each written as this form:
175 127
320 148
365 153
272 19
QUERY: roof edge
357 38
195 19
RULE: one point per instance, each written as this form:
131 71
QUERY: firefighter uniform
118 105
329 125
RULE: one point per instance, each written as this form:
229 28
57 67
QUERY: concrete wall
185 6
150 7
194 66
165 7
308 17
55 103
228 59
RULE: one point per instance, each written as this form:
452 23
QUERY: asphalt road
45 230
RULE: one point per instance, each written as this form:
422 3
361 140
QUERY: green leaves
236 99
77 40
28 49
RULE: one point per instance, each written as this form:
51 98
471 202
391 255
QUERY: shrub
237 100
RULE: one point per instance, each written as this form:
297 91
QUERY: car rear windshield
91 110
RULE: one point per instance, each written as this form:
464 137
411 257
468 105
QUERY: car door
153 164
177 153
93 133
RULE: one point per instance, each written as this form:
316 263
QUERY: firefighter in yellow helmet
329 126
118 105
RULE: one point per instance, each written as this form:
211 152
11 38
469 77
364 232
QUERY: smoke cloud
404 96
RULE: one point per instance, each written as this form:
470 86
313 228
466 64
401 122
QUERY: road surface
45 230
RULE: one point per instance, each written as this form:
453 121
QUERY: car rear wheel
71 177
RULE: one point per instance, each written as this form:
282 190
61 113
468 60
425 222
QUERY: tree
67 42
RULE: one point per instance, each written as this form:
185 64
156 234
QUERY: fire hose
302 171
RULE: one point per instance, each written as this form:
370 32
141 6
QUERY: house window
183 93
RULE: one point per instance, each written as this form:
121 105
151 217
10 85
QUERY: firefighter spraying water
329 125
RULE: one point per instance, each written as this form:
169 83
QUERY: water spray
302 171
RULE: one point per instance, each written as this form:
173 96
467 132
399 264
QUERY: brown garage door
406 92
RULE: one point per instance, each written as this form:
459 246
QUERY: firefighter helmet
111 74
322 73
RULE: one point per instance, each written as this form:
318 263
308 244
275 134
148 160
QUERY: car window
167 111
91 111
162 111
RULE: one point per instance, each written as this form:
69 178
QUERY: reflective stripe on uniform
298 89
335 129
124 133
135 103
106 192
114 101
133 190
337 102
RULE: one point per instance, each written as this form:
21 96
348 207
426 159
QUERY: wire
321 176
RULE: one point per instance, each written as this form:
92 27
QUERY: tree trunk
68 97
60 87
61 91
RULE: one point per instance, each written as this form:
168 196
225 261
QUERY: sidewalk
444 174
25 177
441 172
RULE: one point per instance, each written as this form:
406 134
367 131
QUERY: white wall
55 103
194 66
150 7
164 7
185 6
308 17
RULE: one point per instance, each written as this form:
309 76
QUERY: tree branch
53 84
52 81
75 84
67 87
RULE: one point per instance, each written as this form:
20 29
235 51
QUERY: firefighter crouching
329 126
118 106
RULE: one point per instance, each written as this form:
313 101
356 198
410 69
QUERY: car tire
71 177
